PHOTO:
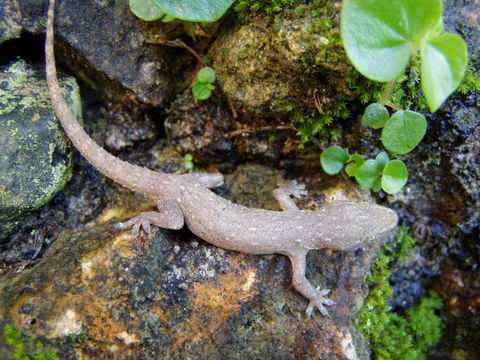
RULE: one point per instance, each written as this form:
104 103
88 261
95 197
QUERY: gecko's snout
388 219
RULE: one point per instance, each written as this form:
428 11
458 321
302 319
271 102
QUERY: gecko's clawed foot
295 189
136 223
298 190
320 302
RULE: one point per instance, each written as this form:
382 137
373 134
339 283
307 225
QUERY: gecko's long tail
131 176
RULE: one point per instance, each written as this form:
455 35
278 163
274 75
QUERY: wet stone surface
34 156
173 294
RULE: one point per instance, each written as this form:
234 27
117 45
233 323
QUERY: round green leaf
380 35
206 75
375 116
444 61
332 159
145 10
201 91
403 131
382 159
194 10
377 184
395 175
356 160
367 174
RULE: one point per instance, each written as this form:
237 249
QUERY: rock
273 64
209 131
119 54
34 155
278 76
201 128
460 292
172 294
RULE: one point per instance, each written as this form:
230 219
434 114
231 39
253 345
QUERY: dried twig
262 128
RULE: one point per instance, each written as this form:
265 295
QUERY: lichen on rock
34 155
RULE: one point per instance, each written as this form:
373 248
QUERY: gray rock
34 156
174 296
105 44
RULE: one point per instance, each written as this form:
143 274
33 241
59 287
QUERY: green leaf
194 10
332 159
380 35
206 75
146 10
367 174
382 159
444 61
356 160
201 91
375 116
395 176
403 131
377 184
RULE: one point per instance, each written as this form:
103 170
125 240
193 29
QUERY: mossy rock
34 154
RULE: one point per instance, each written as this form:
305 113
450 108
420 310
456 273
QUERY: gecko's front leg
168 216
298 257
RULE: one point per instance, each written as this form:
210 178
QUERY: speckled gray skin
186 199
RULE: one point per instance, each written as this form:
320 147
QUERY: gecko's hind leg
317 297
168 216
283 192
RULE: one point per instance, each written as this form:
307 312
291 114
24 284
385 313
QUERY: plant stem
387 91
393 106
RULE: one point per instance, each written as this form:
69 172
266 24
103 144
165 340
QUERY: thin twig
180 44
263 128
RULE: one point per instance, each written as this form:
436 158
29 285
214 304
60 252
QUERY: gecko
187 200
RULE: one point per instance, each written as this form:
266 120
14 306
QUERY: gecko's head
353 224
386 219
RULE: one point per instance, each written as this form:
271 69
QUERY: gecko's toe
137 223
319 305
319 302
309 310
146 227
297 190
120 226
136 230
322 310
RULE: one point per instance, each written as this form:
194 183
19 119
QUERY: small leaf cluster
401 133
377 174
188 161
202 89
188 10
19 342
391 335
381 36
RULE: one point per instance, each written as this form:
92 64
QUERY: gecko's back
340 225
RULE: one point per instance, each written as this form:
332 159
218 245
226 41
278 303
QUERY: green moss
391 335
243 7
321 126
24 348
80 338
471 81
